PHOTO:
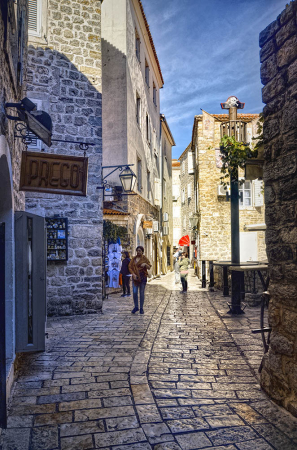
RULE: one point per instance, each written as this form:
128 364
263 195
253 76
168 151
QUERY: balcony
235 128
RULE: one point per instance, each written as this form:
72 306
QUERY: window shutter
258 194
34 17
190 162
189 190
157 190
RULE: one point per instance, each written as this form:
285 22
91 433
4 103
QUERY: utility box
30 269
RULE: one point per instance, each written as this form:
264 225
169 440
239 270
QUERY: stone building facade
214 229
187 196
176 202
278 55
166 196
13 63
132 80
64 79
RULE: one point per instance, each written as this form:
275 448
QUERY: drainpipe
162 119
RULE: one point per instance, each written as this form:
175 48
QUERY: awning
185 240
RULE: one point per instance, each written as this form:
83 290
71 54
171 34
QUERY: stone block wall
278 55
65 76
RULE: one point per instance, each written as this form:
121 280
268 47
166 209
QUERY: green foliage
234 155
111 232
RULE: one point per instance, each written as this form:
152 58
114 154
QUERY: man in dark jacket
126 275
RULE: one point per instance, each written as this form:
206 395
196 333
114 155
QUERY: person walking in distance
184 270
126 275
176 256
138 267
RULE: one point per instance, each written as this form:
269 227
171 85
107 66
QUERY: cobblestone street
181 376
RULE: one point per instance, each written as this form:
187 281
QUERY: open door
30 261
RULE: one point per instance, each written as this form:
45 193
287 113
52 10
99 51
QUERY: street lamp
194 221
128 179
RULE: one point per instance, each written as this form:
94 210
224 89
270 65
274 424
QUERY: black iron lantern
128 179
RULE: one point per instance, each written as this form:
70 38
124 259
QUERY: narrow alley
183 376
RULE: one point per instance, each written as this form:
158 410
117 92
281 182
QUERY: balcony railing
235 128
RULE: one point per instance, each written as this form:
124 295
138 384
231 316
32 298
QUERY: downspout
162 118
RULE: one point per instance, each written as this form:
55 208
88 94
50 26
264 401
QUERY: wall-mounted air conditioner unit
221 192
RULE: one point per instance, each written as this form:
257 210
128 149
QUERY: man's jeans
141 288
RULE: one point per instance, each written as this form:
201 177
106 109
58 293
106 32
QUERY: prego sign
54 174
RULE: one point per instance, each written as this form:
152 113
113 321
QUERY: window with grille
154 94
147 74
137 45
148 186
138 104
139 175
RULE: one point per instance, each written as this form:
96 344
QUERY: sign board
54 174
147 224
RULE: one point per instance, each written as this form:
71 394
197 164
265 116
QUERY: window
37 20
154 94
189 190
138 104
137 45
165 188
246 189
147 130
147 73
148 186
190 163
139 175
175 191
184 223
183 195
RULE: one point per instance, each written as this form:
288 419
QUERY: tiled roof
225 117
186 150
150 39
175 163
114 212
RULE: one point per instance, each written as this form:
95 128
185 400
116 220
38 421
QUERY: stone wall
278 55
65 76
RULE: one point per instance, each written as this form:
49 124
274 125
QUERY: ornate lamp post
237 129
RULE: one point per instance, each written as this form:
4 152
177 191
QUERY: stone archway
7 216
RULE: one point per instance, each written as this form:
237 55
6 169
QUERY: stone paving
181 377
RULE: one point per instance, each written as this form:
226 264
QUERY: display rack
57 238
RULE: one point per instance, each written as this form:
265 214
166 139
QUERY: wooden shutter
190 163
258 193
33 15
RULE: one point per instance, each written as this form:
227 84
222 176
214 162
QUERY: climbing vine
234 154
111 232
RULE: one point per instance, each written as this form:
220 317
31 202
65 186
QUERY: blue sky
208 50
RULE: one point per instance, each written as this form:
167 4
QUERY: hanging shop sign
54 174
147 224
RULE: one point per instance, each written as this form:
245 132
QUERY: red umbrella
185 240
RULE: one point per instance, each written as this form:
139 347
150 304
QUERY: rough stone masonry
64 74
278 55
